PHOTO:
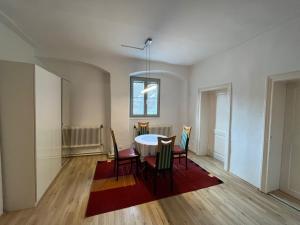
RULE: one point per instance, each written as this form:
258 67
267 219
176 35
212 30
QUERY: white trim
227 152
295 75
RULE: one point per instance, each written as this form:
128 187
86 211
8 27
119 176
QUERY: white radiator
79 137
165 130
160 129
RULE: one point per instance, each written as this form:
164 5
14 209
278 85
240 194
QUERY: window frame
146 81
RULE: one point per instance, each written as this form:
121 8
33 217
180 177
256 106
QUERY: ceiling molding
10 23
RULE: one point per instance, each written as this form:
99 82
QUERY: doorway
281 163
290 157
214 123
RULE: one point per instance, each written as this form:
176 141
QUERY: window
144 104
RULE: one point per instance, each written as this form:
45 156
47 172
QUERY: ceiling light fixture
146 47
147 42
149 87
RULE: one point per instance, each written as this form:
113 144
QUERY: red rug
107 194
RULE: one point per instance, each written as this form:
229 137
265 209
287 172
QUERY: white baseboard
218 156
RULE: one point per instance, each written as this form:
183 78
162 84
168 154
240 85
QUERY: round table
146 144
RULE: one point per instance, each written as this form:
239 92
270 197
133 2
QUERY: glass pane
138 98
152 99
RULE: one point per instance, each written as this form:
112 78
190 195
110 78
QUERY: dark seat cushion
150 160
178 150
127 153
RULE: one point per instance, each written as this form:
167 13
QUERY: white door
290 163
221 123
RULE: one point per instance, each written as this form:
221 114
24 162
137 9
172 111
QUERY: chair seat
127 154
178 150
151 160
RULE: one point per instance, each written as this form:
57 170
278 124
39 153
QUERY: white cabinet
30 132
47 128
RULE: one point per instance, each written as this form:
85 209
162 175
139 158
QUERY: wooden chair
163 161
143 128
126 156
183 148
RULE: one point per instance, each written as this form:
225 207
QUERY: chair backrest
164 155
116 151
185 137
143 128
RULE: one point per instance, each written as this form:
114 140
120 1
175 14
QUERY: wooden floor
234 202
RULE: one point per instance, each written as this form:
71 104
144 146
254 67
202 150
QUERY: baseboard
191 150
218 157
286 199
110 155
87 154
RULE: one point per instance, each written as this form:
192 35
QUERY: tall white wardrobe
30 132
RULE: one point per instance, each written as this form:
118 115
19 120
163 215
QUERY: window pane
152 99
138 98
138 104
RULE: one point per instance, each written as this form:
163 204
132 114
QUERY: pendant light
148 69
146 47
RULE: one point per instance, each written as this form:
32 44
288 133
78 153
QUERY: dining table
146 144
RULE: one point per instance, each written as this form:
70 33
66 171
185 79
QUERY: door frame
271 80
228 88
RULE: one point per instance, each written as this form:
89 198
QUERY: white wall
120 95
90 94
172 92
65 114
119 69
89 90
247 67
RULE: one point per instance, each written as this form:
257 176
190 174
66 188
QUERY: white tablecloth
146 144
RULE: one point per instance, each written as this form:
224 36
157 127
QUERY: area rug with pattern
107 194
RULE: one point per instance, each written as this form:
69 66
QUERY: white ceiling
183 31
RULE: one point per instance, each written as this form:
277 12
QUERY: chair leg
186 159
146 171
115 161
171 180
154 182
137 165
